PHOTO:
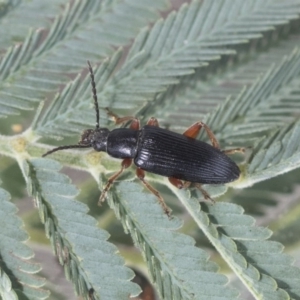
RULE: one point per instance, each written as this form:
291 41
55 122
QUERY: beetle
180 157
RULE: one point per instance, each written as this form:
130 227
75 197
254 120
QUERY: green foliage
89 261
233 64
165 250
17 271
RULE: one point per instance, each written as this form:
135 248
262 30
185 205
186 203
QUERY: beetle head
96 138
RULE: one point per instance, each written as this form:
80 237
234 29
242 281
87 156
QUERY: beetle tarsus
178 183
141 176
234 150
204 193
194 130
125 164
135 123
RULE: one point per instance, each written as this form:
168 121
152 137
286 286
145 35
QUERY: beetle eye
86 137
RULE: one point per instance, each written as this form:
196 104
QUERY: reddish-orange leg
141 176
204 192
124 165
135 124
179 184
176 182
192 132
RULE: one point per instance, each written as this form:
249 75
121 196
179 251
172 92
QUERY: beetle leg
194 130
141 175
153 122
124 165
176 182
186 184
135 123
204 192
234 150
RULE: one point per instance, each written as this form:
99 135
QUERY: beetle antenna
65 147
94 93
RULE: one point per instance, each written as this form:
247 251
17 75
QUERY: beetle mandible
180 157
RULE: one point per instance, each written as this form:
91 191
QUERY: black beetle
160 151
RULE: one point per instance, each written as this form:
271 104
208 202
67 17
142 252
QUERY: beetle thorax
96 138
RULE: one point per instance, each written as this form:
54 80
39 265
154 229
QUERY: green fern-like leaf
278 153
17 271
205 97
244 246
177 275
34 14
274 107
155 62
89 261
53 120
25 64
